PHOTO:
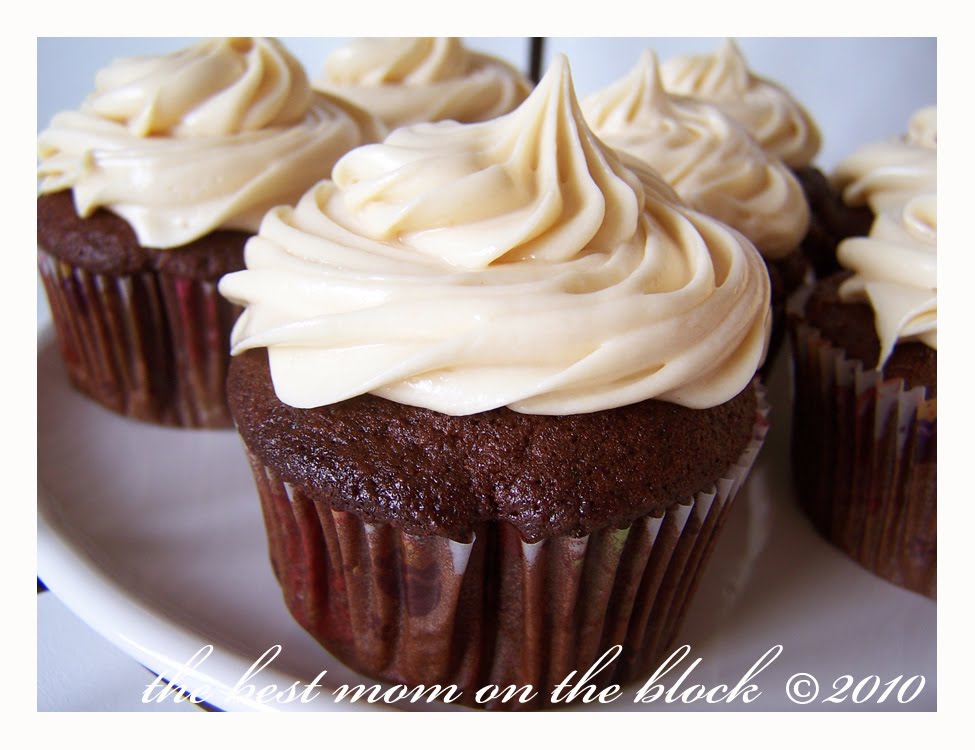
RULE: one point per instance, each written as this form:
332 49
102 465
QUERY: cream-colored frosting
710 160
422 79
895 269
884 175
515 262
922 128
205 138
772 116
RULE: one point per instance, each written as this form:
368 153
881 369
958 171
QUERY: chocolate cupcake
714 165
148 194
422 79
498 394
865 424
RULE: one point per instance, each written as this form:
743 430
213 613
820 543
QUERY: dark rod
535 59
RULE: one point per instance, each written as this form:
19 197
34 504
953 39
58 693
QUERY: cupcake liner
146 345
493 609
200 322
864 454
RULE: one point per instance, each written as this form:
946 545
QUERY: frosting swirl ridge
422 79
515 262
895 269
708 158
203 138
884 175
770 114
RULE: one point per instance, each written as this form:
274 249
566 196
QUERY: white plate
154 537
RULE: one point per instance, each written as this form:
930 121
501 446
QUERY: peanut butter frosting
884 175
895 269
709 159
770 113
208 137
422 79
516 262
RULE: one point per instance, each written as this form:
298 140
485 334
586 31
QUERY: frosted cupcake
713 164
498 393
423 79
147 194
774 118
865 426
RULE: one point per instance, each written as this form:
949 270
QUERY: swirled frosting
422 79
205 138
895 269
773 117
515 262
884 175
709 159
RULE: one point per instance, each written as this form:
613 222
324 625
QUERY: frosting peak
425 187
515 262
422 79
770 114
205 138
709 159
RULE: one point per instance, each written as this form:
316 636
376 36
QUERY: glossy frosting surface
709 159
515 262
895 269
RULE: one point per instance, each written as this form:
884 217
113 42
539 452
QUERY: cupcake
148 193
713 164
865 425
497 390
422 79
774 118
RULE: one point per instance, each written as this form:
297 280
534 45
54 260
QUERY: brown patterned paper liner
493 610
864 458
148 345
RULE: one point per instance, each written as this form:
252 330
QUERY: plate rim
102 603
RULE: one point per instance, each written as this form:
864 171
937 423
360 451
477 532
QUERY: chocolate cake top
430 473
850 326
105 243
